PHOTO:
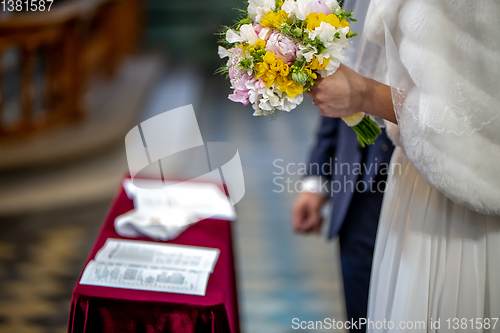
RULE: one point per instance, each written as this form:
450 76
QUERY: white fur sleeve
450 118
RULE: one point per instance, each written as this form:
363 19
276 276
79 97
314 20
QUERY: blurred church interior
74 81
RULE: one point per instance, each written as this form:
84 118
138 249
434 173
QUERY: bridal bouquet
279 48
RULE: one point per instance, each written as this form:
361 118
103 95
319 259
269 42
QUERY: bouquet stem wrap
366 129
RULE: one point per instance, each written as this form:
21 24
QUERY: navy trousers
357 241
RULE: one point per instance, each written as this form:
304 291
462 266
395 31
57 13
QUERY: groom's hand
306 214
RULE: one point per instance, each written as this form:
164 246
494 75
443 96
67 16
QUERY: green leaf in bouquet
286 28
351 35
223 70
299 77
319 45
246 63
297 32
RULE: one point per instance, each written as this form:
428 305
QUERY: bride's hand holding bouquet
346 93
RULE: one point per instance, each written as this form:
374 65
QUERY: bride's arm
346 92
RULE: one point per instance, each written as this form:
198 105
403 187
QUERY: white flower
258 112
247 34
332 4
255 95
306 51
334 47
233 37
223 52
265 33
336 56
291 103
266 100
302 8
343 37
258 8
326 33
299 8
332 66
333 50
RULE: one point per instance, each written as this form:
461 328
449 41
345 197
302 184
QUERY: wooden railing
73 42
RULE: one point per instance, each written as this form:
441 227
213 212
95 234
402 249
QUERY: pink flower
240 81
258 28
317 6
240 96
235 56
240 84
283 47
234 72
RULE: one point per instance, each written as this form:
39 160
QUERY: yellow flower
245 47
267 76
314 20
293 89
344 23
269 79
314 64
272 70
285 70
331 19
276 65
290 87
279 67
260 43
264 69
269 57
274 19
281 82
261 67
310 73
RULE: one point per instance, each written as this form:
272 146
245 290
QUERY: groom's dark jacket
337 144
355 211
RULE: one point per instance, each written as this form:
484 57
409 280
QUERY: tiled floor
281 275
40 259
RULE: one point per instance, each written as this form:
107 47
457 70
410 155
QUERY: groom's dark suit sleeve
324 148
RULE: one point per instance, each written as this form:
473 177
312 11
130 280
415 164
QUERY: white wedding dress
434 259
437 253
